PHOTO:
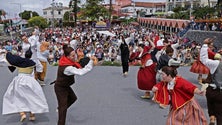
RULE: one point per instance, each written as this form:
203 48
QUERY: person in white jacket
214 90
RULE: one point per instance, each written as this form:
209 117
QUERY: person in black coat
124 49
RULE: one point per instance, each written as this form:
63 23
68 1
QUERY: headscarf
64 61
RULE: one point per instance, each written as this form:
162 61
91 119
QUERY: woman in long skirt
179 94
146 77
24 94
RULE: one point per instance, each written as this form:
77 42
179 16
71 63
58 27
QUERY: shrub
110 63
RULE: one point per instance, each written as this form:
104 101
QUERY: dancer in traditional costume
24 94
32 42
146 77
68 68
179 94
214 90
199 68
43 55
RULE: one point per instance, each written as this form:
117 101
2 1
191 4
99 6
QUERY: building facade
55 13
170 4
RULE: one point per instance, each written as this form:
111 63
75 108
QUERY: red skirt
146 77
199 68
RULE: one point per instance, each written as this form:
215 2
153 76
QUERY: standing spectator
99 53
179 94
188 57
51 57
112 54
57 56
124 56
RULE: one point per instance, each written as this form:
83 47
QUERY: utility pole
191 7
110 11
20 10
73 4
53 16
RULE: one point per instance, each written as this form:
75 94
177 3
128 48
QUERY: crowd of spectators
104 47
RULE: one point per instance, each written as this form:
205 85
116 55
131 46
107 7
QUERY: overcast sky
12 7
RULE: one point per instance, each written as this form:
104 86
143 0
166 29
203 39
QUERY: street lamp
20 9
55 6
191 7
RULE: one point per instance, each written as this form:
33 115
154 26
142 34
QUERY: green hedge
109 63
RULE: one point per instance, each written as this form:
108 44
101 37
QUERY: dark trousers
125 66
214 103
66 97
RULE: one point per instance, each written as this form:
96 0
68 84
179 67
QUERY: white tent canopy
106 33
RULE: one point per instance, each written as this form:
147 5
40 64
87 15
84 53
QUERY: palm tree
110 11
73 4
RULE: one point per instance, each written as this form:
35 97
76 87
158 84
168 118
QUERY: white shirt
70 70
211 64
171 84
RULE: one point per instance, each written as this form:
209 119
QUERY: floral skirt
189 114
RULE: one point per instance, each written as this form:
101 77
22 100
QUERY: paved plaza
105 97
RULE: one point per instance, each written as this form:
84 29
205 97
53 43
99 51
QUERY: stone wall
199 36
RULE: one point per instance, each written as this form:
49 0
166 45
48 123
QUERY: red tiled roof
164 22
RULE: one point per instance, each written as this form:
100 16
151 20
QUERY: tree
74 4
28 14
93 10
110 10
203 12
38 21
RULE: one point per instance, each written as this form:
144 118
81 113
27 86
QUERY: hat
18 61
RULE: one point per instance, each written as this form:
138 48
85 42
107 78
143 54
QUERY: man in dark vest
68 67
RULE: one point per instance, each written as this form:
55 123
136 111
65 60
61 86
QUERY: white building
147 7
170 4
55 13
